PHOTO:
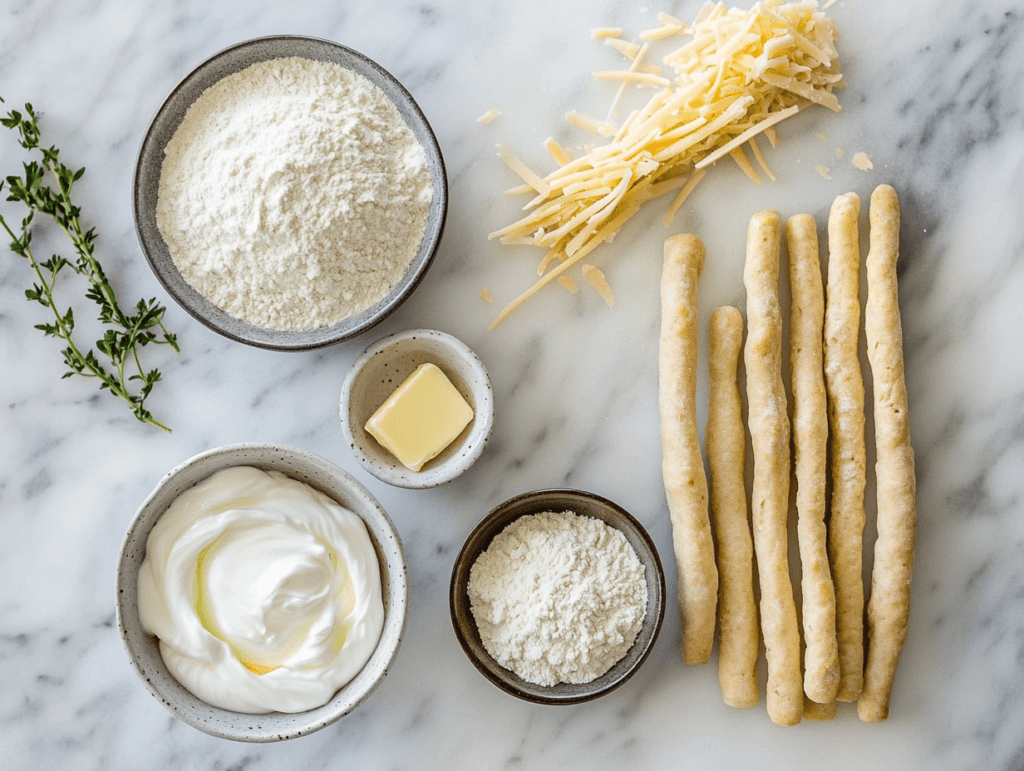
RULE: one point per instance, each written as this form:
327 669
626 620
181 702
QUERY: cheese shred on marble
740 73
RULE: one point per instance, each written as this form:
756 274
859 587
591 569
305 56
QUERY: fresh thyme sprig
124 333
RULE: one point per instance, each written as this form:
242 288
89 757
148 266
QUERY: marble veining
933 96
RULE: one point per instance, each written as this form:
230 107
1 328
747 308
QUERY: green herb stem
124 334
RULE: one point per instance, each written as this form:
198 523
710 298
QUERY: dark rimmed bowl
586 504
161 129
143 649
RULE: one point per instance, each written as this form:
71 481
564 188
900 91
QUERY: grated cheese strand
750 133
568 283
529 176
624 47
739 74
744 163
862 161
684 193
632 76
597 279
557 151
756 149
634 66
592 125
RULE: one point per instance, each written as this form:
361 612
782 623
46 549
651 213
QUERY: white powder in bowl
293 195
558 597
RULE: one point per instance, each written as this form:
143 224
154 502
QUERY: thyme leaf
125 332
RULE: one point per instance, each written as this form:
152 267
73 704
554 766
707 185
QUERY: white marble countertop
933 96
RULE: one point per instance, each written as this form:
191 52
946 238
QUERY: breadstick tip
686 245
884 190
846 202
764 231
885 210
726 316
884 216
873 710
801 223
766 217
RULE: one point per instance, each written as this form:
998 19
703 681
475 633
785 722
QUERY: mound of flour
293 195
558 597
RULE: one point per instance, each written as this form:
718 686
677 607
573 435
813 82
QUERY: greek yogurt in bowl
264 593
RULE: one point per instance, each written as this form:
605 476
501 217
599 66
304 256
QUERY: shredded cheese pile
741 73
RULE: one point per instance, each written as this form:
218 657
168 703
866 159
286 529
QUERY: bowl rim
496 520
389 304
126 613
483 413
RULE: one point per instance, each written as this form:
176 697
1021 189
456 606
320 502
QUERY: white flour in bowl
293 195
558 597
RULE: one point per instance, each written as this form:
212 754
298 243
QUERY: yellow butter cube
423 416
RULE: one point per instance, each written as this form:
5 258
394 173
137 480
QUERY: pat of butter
423 416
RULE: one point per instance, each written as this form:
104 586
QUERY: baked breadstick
769 434
726 441
810 444
846 425
889 606
682 467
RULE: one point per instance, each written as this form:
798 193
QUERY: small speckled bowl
144 650
384 366
585 504
166 121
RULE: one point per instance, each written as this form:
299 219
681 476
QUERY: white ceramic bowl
380 369
166 121
143 648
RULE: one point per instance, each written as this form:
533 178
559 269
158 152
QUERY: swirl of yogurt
264 593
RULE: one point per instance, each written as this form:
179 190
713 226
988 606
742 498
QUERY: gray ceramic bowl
144 651
165 123
586 504
380 369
